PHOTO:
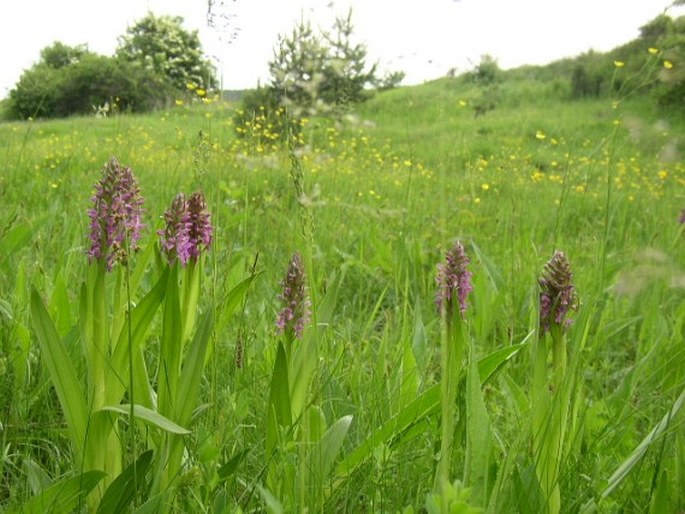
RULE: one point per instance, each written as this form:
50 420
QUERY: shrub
76 87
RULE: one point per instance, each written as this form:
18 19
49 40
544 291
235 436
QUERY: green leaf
122 490
234 297
491 363
636 456
171 346
330 444
64 379
279 413
64 496
153 505
478 437
139 321
191 375
273 506
415 412
229 468
149 416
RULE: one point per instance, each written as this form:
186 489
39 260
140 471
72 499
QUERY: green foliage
69 81
58 55
263 120
671 89
317 73
162 46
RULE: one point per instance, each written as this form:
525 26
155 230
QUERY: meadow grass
386 194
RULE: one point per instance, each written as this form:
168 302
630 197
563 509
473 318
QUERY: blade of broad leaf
142 260
229 468
171 345
636 456
478 437
529 496
488 365
139 321
427 403
64 379
273 506
148 415
234 298
13 240
191 374
60 306
122 490
279 411
303 366
326 308
63 496
330 444
492 271
153 505
410 375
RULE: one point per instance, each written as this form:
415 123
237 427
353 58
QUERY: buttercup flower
115 217
453 280
295 313
557 293
188 229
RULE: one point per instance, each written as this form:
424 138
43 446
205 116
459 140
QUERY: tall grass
381 201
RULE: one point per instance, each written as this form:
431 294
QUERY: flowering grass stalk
454 284
550 395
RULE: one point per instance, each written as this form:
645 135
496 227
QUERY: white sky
423 38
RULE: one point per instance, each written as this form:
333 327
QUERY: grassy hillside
372 204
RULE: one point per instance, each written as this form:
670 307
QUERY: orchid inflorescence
295 313
557 293
453 280
188 228
115 216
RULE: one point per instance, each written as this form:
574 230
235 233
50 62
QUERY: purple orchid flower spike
557 293
295 314
115 216
453 281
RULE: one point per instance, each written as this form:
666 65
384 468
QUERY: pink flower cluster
295 313
453 280
557 293
188 229
115 217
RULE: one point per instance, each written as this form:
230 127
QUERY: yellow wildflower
619 64
540 135
653 50
668 64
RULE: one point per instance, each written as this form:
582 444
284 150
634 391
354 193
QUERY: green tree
321 72
58 55
162 45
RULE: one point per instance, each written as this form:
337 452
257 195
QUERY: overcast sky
422 38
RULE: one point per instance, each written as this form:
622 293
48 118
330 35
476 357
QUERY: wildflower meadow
409 309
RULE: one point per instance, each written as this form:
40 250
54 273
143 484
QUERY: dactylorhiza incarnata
557 293
115 217
453 281
294 297
188 229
